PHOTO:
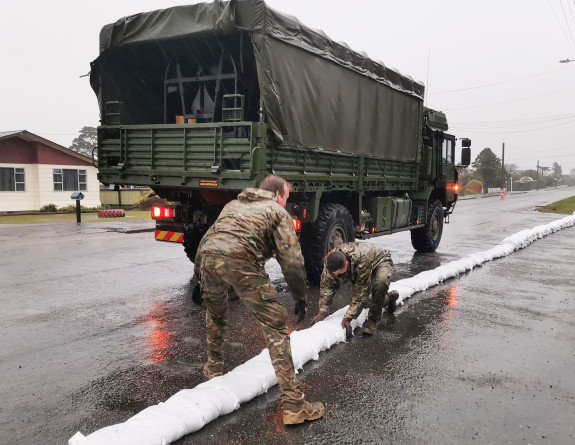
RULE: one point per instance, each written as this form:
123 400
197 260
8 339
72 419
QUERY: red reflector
304 213
296 224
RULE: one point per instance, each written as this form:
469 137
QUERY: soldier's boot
295 413
369 327
212 369
392 305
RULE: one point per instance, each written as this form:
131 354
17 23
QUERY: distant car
525 179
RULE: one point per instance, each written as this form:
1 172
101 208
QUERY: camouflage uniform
232 253
369 271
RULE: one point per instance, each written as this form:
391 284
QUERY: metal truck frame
199 102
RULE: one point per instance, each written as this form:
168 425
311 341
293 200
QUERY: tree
488 166
531 173
557 170
85 142
465 175
511 169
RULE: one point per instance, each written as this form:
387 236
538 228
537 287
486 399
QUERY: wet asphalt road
97 325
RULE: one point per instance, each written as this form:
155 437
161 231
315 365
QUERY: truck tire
426 239
334 226
191 243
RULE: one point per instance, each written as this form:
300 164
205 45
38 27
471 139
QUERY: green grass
565 206
63 218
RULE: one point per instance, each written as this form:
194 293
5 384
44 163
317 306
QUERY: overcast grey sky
491 66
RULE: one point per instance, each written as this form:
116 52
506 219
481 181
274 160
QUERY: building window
448 151
70 180
83 179
12 179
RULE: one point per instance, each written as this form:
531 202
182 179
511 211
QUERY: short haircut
274 183
335 261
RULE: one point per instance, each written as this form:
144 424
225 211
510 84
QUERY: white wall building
35 171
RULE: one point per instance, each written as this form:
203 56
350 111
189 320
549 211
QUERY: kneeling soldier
369 269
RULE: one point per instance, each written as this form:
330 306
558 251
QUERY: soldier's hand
197 293
319 317
300 310
346 323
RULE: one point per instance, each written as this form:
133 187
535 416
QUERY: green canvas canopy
315 92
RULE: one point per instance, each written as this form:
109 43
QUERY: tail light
296 224
163 212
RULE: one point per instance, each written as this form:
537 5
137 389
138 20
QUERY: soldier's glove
197 293
300 310
319 317
346 323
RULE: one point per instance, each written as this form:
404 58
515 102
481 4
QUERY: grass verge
63 218
565 206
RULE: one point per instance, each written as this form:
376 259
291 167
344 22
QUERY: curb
490 195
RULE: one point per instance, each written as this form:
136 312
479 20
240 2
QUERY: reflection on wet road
159 336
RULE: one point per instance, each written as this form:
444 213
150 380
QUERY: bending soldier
369 269
232 253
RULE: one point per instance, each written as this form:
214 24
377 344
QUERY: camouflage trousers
380 279
253 286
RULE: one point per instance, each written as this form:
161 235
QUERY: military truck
199 102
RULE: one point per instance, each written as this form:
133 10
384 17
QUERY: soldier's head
337 263
277 185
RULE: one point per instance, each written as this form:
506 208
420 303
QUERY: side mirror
77 195
465 156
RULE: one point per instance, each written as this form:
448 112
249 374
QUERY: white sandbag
211 402
262 372
244 387
302 350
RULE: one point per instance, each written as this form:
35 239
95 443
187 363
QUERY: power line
558 21
513 123
510 132
523 158
571 12
522 120
567 23
513 100
546 150
502 82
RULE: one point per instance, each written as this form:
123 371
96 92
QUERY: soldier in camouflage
369 269
232 253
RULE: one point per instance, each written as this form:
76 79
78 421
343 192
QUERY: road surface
96 325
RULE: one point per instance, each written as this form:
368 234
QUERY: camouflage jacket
363 258
254 227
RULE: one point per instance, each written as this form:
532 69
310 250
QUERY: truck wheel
334 226
426 239
192 240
